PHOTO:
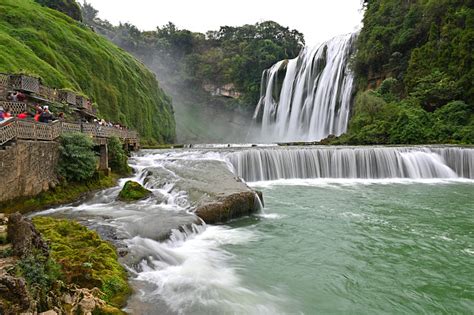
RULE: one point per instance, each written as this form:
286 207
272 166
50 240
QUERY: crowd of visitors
43 114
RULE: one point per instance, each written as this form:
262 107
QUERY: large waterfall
353 162
313 99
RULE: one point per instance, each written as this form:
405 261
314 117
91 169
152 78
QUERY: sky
318 20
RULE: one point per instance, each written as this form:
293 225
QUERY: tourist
39 110
46 115
14 96
20 97
22 115
61 116
1 113
6 114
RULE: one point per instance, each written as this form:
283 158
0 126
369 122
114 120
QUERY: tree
77 160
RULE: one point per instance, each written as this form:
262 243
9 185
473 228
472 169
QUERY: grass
68 54
61 194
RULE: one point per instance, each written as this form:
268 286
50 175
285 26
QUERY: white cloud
318 20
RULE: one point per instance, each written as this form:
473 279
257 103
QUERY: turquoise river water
362 248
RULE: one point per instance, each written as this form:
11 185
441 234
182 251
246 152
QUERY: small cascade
367 162
309 97
185 232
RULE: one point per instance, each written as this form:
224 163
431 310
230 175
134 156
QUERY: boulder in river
133 191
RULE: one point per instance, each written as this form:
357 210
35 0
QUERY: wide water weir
354 163
324 246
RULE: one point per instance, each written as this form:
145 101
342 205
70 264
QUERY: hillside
414 66
67 54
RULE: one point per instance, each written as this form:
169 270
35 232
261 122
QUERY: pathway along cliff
364 230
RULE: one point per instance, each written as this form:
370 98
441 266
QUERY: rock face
27 168
228 207
24 237
133 191
215 194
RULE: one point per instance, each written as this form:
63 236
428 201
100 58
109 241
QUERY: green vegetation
61 194
418 54
85 259
187 60
68 7
77 160
132 191
67 54
118 157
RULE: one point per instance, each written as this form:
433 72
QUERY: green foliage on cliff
67 54
378 119
85 259
183 59
118 160
77 159
424 50
68 7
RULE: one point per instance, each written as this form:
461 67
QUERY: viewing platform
37 94
14 129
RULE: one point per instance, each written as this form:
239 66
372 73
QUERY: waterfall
353 162
313 101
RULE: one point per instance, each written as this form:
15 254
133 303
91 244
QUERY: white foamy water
362 164
191 270
314 98
196 276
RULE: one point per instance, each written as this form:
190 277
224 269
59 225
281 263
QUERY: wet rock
228 208
133 191
214 193
24 237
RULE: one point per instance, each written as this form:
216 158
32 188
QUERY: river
344 230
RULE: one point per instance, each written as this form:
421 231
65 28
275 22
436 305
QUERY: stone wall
27 168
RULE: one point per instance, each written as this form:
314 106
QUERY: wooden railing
30 130
14 107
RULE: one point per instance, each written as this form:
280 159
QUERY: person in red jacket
22 115
38 113
7 114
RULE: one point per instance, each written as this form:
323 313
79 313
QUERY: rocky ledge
214 193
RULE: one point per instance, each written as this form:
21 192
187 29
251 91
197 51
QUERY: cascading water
315 95
178 265
359 162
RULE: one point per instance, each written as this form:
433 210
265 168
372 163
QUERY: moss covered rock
133 191
85 259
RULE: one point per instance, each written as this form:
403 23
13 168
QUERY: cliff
67 54
414 68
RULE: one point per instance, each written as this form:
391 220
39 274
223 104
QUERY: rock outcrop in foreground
30 281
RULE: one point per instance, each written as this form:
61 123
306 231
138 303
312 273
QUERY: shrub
117 157
77 161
